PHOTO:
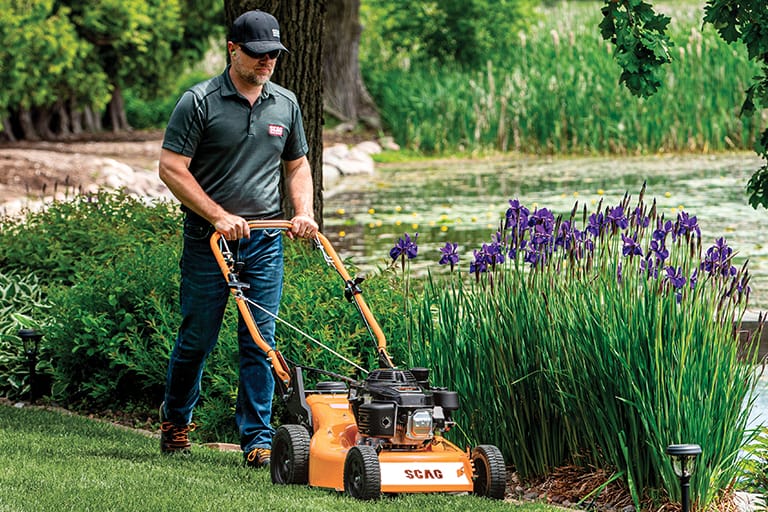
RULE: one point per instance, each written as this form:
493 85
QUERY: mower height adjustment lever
233 278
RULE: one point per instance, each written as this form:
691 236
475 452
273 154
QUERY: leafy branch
641 43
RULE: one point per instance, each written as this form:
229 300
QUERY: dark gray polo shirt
237 149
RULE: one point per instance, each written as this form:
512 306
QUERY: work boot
258 458
174 438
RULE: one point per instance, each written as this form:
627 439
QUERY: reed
555 89
598 339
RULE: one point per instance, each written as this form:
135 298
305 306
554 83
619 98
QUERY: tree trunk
6 133
62 121
43 123
345 95
75 118
301 31
28 131
92 120
117 117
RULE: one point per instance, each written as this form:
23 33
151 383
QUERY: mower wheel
289 462
490 472
362 473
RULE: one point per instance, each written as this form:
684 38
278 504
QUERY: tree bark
117 116
300 70
28 131
6 133
345 95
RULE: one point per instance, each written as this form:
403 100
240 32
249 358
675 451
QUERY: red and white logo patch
276 130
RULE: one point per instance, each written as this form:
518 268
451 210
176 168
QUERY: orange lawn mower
379 435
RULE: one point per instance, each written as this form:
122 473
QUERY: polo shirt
235 149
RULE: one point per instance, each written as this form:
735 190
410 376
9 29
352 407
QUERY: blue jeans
204 294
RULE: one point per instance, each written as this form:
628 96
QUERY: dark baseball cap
258 31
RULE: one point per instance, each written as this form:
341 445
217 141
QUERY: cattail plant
599 338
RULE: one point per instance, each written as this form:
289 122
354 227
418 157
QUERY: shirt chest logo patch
276 130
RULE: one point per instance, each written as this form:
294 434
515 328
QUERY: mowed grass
51 461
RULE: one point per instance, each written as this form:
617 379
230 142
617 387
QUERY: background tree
86 53
345 95
300 70
641 48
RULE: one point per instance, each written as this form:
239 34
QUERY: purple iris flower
616 218
450 256
718 259
662 229
687 225
631 247
651 270
405 247
657 249
596 224
517 214
479 264
676 278
493 253
640 219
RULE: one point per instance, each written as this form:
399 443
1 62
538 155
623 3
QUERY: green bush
154 113
110 267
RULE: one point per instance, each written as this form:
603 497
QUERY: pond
463 201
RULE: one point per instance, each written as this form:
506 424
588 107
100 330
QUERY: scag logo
426 474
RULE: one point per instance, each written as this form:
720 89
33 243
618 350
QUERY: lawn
57 462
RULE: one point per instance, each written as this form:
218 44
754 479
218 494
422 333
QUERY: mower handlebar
277 363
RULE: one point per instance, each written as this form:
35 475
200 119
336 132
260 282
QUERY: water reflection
464 201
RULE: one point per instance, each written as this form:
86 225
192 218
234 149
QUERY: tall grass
598 339
555 89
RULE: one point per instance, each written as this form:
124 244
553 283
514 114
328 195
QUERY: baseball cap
258 31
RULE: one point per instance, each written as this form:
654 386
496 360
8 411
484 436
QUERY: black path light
683 456
31 340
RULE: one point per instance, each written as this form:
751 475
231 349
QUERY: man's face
254 69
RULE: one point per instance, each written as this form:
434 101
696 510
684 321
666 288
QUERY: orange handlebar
276 360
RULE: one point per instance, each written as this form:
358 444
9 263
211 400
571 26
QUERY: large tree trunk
345 95
28 131
117 116
301 31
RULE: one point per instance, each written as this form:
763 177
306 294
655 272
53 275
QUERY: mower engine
398 409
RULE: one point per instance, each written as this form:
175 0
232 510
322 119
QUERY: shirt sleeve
185 126
296 145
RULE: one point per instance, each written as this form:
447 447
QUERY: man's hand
304 226
232 227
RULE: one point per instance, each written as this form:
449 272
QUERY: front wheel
362 473
490 473
289 462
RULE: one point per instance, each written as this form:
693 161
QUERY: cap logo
276 33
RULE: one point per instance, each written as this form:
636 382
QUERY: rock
368 147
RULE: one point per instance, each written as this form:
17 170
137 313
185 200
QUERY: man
221 157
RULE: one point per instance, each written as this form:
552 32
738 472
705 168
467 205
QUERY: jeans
204 294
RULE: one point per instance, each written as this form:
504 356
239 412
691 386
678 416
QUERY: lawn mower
380 435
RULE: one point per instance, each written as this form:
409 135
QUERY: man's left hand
304 226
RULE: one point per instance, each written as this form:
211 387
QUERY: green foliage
22 306
641 46
40 45
457 31
747 22
544 100
754 465
82 234
154 113
598 313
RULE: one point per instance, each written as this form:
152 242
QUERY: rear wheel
289 462
362 473
490 473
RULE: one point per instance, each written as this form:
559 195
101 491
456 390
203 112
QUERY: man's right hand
232 227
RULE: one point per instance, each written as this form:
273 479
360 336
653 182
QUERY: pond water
463 201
